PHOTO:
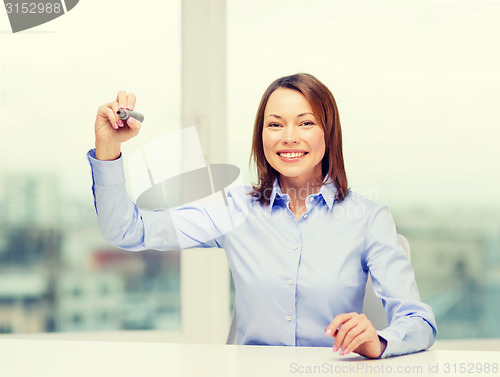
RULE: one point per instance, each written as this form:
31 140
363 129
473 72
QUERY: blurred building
89 301
456 257
151 286
23 308
31 199
57 273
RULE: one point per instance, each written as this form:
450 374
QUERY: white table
54 358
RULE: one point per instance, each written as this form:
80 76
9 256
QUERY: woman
303 243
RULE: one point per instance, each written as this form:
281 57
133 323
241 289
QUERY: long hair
325 110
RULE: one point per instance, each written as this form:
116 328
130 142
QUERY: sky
417 84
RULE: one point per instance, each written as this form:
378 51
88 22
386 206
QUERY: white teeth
292 155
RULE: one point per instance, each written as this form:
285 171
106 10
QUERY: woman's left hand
353 332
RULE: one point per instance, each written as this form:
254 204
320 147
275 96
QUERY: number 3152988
33 8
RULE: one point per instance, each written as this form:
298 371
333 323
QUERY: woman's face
293 140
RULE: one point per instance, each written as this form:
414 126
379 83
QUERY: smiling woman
293 144
297 136
300 245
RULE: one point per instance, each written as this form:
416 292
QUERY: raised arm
125 225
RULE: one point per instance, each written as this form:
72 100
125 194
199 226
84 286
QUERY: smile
291 155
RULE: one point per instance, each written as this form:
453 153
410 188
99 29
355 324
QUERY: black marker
124 114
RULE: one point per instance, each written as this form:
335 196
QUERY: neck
298 188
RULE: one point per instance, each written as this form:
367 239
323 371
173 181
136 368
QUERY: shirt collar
327 191
276 194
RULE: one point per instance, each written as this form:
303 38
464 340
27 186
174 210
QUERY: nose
291 135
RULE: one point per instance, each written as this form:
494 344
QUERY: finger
341 338
358 341
353 334
367 344
116 107
106 112
113 119
134 124
332 328
121 98
131 101
345 328
356 323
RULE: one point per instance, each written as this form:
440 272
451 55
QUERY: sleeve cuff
106 173
390 349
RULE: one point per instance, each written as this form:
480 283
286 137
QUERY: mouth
291 156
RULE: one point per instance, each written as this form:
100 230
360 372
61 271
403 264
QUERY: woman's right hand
110 130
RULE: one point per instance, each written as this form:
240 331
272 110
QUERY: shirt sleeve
412 326
126 226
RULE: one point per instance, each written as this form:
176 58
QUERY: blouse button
311 199
289 318
290 282
305 216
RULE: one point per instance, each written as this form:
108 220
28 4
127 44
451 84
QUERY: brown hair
326 112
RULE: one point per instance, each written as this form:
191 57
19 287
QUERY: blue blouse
291 277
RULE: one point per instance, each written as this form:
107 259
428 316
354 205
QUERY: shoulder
239 192
360 209
240 195
375 216
361 202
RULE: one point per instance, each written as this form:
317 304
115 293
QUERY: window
415 85
57 272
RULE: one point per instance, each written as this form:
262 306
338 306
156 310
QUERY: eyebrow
298 116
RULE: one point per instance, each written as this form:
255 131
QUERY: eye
274 125
307 123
